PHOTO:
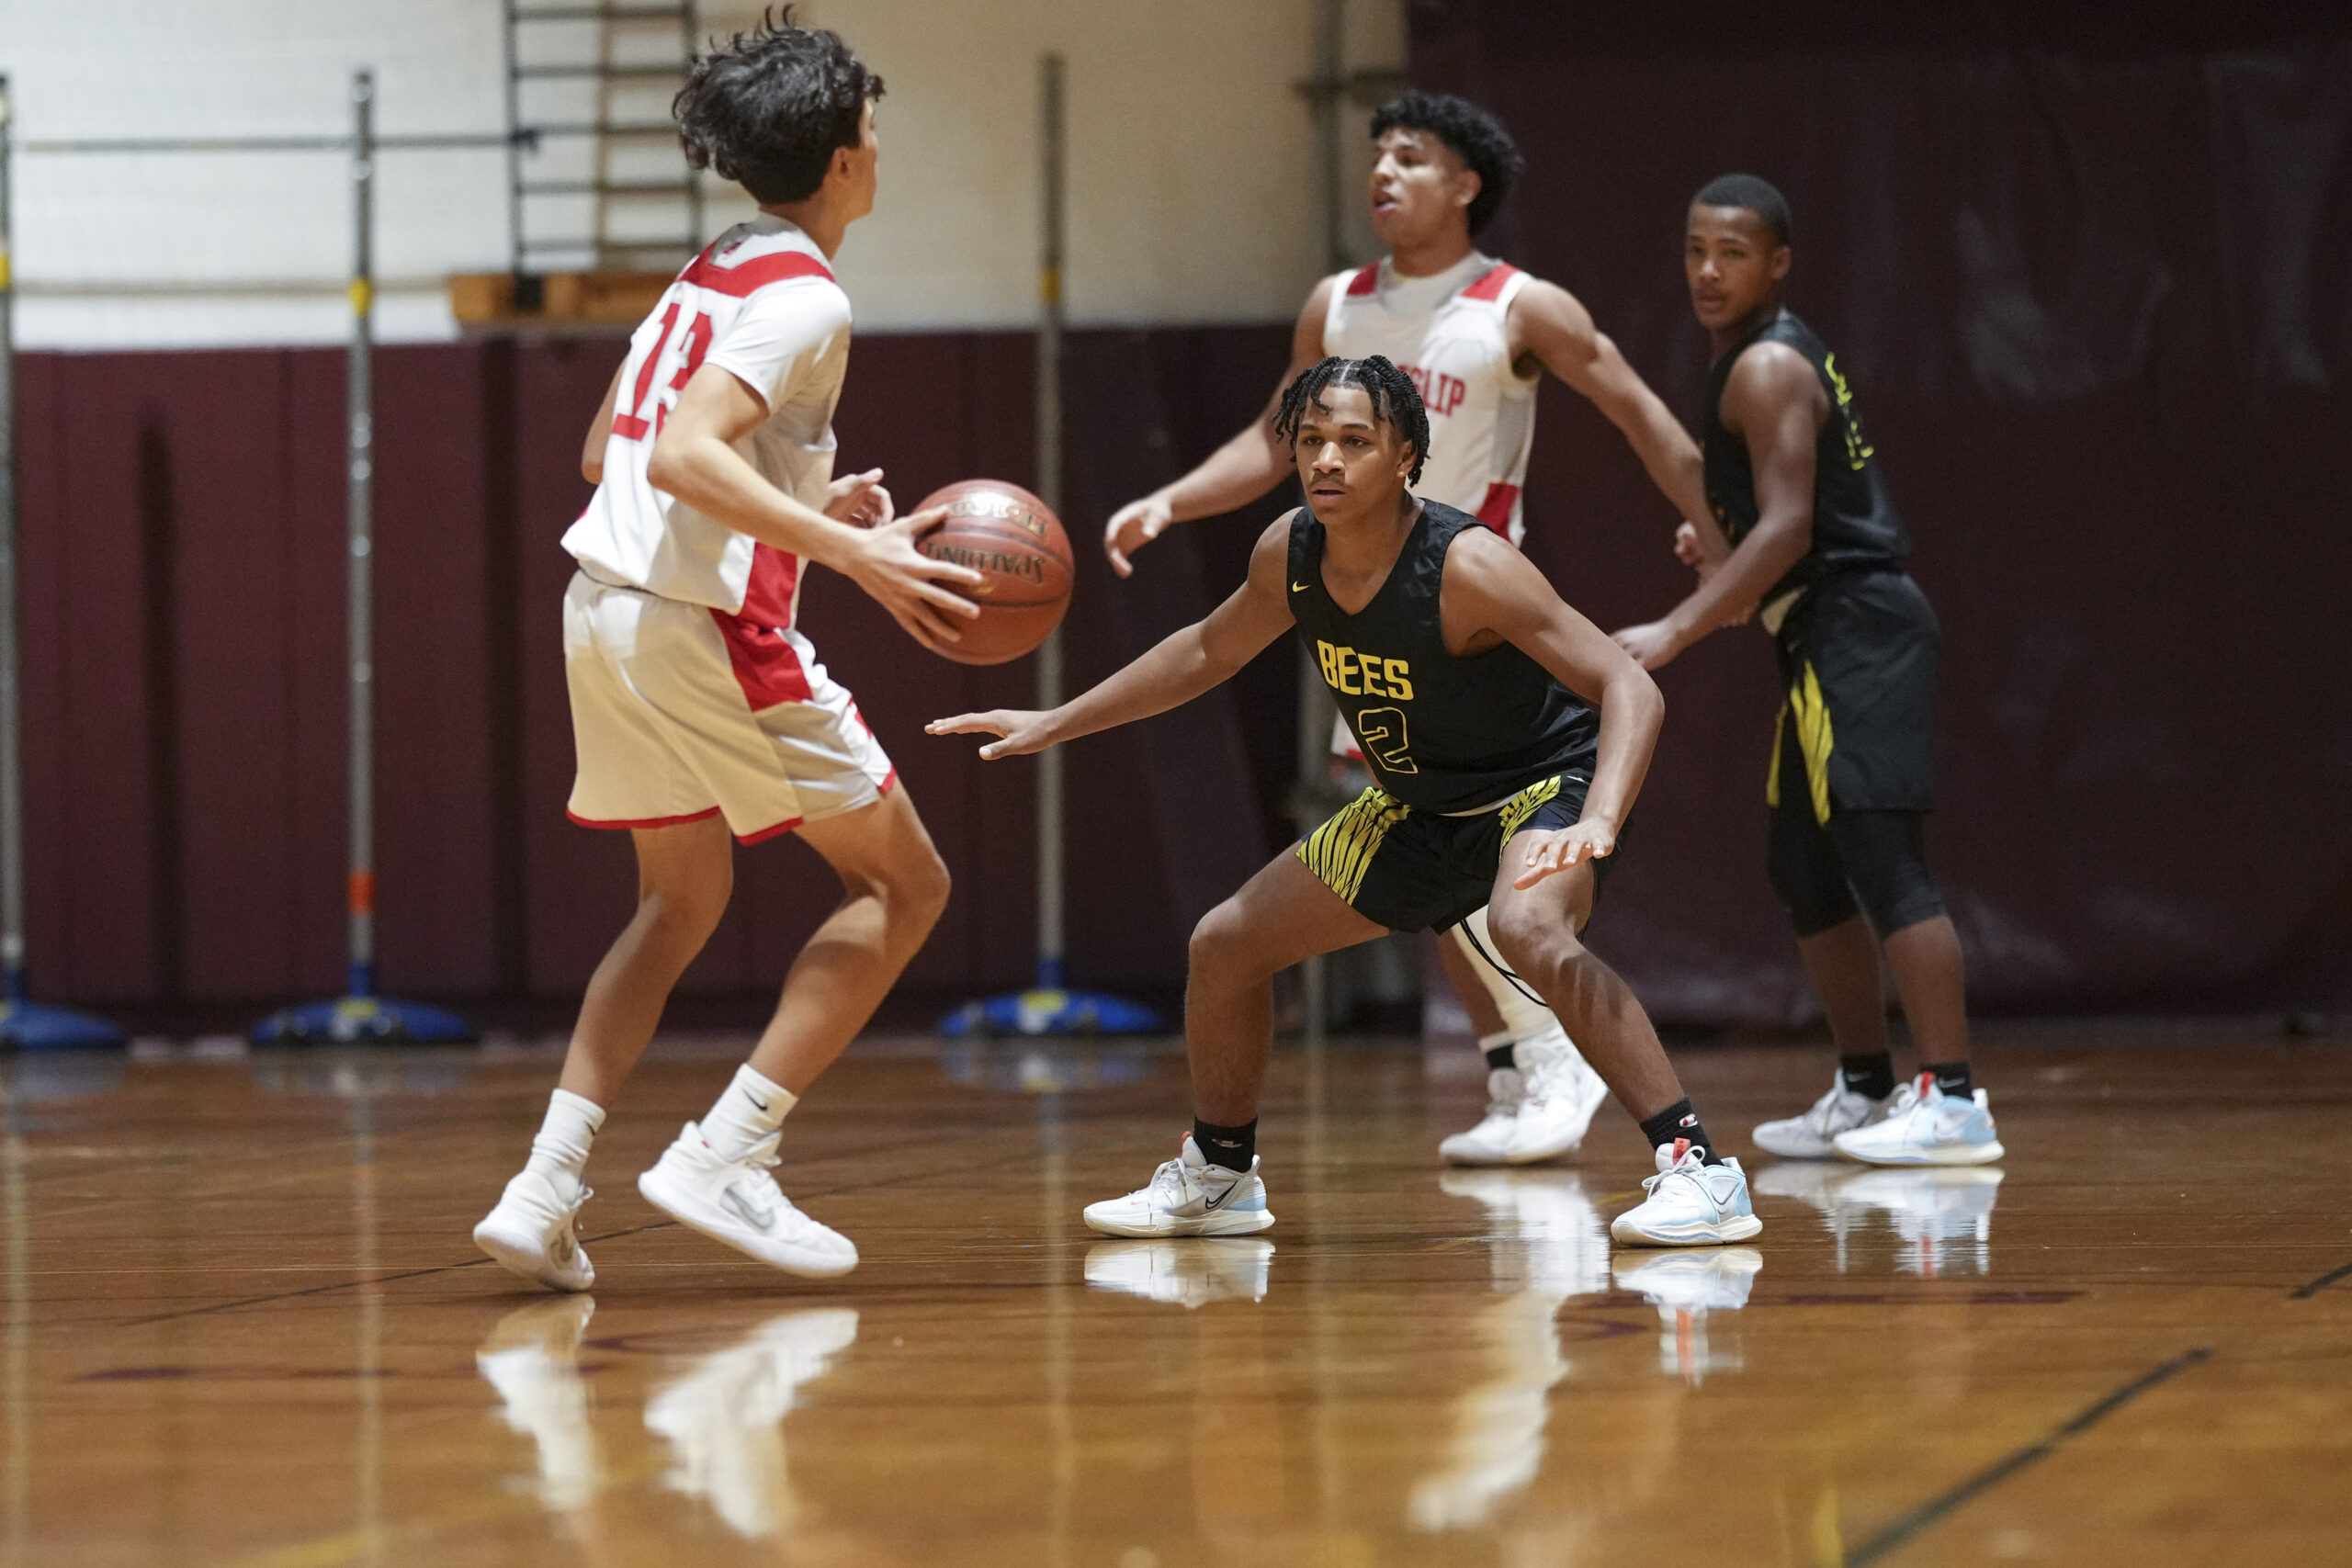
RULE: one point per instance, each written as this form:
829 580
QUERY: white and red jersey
761 304
1451 335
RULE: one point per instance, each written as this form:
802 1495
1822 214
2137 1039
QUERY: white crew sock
753 1108
1523 1019
561 1147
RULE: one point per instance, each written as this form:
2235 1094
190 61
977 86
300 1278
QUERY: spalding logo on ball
1017 545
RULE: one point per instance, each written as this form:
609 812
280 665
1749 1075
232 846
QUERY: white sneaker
723 1417
1187 1196
738 1202
1489 1141
530 1232
1563 1092
1926 1126
1813 1135
1942 1215
1181 1276
531 1358
1690 1203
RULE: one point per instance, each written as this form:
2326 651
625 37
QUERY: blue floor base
29 1026
1049 1009
358 1021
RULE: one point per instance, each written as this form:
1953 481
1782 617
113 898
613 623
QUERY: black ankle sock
1872 1075
1499 1058
1678 1121
1232 1147
1952 1078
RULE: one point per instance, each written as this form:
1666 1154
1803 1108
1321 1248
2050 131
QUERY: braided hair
1396 402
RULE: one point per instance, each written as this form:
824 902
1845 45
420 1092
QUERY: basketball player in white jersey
698 707
1475 334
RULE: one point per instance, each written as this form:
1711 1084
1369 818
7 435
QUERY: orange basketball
1007 536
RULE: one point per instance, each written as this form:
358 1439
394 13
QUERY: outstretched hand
1133 526
914 588
1023 730
1560 849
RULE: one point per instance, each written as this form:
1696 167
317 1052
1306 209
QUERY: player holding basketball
1808 528
698 708
1476 335
1508 739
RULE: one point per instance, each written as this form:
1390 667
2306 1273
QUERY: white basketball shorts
679 713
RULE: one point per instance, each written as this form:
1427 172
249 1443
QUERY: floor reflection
1188 1273
723 1417
531 1358
1942 1216
1548 1243
1685 1287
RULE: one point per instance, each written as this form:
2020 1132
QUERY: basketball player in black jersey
1805 528
1507 737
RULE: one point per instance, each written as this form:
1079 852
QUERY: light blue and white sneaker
1690 1202
1187 1196
1926 1126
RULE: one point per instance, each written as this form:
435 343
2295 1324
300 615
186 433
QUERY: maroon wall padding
184 680
2086 277
2089 288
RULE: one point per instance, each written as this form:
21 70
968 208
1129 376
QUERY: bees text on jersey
1855 524
1441 731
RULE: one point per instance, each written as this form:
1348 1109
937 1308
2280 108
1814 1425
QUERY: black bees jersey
1854 520
1441 732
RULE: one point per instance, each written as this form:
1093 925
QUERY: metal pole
1049 490
360 500
514 146
1314 705
12 770
693 176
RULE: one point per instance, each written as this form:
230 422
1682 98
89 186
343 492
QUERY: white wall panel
1191 160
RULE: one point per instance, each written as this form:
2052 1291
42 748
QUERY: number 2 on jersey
633 425
1381 730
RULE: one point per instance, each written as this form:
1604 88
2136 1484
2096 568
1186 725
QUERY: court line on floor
355 1284
2305 1292
1929 1512
477 1262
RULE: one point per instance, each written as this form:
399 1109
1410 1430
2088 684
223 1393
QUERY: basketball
1016 545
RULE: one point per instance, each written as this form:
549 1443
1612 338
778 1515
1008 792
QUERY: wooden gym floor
245 1326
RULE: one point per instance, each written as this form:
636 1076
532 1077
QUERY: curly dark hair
1476 138
1396 402
768 109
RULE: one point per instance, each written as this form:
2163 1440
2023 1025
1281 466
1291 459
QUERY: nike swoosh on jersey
1298 588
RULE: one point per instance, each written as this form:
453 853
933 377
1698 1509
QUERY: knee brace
1523 1017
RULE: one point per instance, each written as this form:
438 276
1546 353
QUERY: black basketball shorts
1858 674
1414 870
1853 755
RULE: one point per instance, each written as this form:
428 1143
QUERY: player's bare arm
1233 475
1186 663
1493 594
1773 401
600 430
1550 326
695 459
